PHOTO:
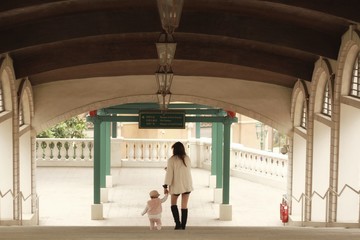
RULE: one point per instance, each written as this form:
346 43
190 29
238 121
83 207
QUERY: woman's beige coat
178 176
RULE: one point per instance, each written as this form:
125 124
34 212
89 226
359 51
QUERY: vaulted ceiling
270 41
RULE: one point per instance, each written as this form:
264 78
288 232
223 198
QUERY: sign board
162 119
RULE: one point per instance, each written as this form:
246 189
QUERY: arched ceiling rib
277 41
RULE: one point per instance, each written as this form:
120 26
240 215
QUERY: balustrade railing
259 163
325 197
24 211
64 151
155 152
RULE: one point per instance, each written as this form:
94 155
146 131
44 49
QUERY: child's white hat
154 194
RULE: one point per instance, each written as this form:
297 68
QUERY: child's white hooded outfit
154 209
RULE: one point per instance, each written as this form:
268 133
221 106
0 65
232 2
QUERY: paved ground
66 195
198 233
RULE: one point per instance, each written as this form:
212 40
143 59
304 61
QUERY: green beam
114 118
187 111
157 106
205 119
136 119
226 170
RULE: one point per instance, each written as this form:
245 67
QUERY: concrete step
229 233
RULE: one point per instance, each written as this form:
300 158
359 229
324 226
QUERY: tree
72 128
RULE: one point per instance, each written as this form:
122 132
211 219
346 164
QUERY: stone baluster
154 152
146 151
63 151
131 154
138 151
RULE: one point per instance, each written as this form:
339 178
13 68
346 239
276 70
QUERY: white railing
151 150
325 197
146 152
259 163
245 162
26 212
64 151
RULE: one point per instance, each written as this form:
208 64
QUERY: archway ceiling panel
268 44
274 37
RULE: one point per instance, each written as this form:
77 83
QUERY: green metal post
226 170
108 149
97 157
213 148
198 130
103 155
114 129
219 158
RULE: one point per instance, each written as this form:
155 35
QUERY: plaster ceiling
273 42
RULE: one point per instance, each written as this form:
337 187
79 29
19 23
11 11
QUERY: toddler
154 209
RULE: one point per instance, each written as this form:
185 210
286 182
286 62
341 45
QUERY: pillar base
218 195
225 212
109 182
104 195
97 212
212 181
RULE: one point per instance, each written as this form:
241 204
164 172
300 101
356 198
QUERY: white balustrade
64 152
254 164
155 152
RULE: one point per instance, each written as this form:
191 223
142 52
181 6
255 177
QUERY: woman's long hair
179 150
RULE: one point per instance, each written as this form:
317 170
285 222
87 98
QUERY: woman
178 181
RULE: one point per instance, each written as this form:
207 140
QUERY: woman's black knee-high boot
184 215
175 213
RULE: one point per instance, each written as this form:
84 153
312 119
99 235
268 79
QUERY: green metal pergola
186 112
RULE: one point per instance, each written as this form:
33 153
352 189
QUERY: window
2 108
303 116
355 83
21 115
326 108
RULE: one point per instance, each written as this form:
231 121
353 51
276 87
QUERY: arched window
21 115
2 108
303 116
326 107
355 83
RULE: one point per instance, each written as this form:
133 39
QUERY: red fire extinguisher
284 211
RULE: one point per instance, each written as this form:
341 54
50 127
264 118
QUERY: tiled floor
66 195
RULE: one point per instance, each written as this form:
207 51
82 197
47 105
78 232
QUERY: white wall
349 164
299 161
25 170
321 170
6 169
